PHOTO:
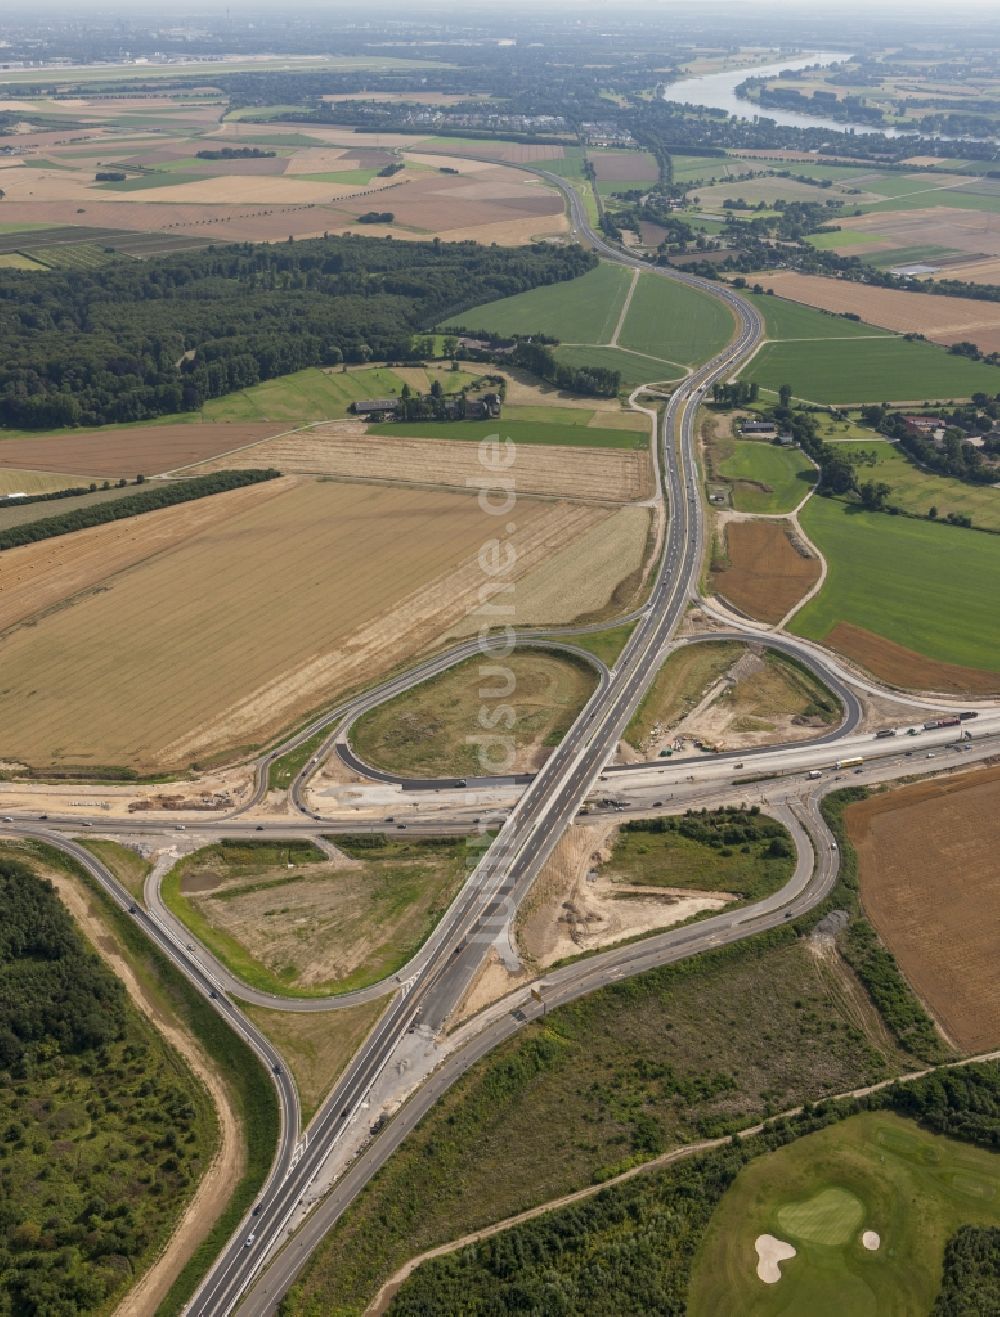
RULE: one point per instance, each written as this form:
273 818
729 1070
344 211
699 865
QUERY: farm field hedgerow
927 587
873 1172
870 370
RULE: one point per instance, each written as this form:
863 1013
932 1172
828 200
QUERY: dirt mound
894 663
767 574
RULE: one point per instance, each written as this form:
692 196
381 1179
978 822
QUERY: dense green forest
135 341
103 1131
629 1249
160 495
53 992
971 1282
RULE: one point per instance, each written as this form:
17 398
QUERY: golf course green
875 1172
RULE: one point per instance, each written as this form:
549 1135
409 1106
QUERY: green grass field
17 261
669 320
929 254
671 859
785 471
392 903
634 367
873 1172
521 432
428 731
313 395
692 169
583 310
928 587
917 490
870 370
960 198
792 320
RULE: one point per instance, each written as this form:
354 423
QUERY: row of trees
595 381
160 495
134 340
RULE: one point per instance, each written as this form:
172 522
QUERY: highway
548 804
427 990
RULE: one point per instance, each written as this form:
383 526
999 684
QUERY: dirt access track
213 1193
930 884
942 319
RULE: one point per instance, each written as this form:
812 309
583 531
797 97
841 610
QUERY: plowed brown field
931 886
225 638
624 166
941 319
344 449
134 450
903 667
766 576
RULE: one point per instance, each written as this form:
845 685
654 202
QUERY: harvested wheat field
515 153
38 578
344 449
974 231
224 639
931 886
442 203
133 450
903 667
599 575
766 575
941 319
18 481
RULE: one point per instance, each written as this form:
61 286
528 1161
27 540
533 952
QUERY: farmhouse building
375 409
758 427
925 425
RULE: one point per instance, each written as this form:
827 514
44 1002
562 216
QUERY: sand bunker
770 1252
871 1241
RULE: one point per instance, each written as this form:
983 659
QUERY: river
718 92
